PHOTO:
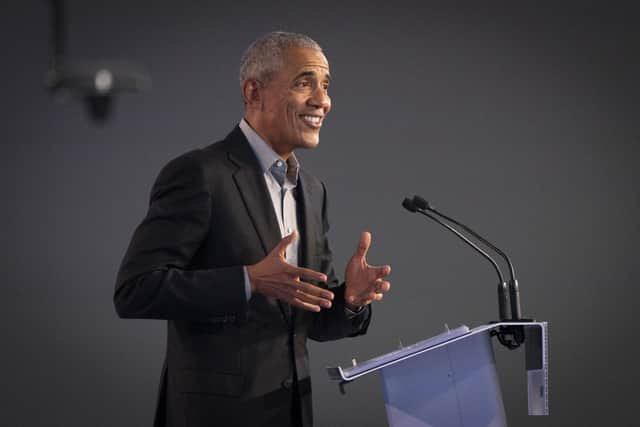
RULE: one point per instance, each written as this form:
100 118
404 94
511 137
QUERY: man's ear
252 93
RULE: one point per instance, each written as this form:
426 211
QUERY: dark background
521 120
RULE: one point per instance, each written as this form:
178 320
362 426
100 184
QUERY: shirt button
286 384
279 163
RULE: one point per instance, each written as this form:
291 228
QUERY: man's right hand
274 277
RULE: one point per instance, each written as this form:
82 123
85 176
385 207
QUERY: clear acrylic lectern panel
452 386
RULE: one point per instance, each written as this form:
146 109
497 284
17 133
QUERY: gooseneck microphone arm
514 292
411 206
423 204
406 204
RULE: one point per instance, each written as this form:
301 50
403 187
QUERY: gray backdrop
521 120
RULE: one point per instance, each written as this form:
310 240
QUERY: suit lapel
249 179
306 221
307 228
250 182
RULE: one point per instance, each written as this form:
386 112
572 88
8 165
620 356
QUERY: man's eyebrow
311 74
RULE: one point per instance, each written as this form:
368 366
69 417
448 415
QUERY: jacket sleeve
335 323
154 280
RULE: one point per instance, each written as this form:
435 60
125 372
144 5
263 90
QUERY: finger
284 283
290 296
307 273
362 299
367 297
380 286
383 287
305 305
372 296
308 298
381 271
377 286
308 288
363 245
282 246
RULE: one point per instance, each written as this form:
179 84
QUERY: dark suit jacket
229 361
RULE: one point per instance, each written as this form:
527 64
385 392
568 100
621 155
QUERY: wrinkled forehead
298 60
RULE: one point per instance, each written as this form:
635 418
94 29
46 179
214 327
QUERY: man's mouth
311 120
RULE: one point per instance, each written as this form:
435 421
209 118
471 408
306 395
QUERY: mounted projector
95 82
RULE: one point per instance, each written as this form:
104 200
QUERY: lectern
450 380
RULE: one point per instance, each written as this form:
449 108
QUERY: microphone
412 206
514 292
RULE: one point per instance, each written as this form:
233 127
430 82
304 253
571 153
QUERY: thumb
363 245
282 246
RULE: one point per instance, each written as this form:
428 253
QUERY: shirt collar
265 154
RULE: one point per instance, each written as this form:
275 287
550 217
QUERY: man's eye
303 83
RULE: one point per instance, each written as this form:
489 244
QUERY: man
234 253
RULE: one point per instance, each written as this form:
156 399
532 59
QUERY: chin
309 143
310 140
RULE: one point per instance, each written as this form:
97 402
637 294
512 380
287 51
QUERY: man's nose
320 99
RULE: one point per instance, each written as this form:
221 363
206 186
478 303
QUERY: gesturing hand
274 277
364 282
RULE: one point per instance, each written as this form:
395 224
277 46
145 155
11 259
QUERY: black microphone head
409 205
421 203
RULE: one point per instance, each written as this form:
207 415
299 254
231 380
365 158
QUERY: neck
284 153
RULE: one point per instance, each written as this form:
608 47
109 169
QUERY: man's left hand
364 282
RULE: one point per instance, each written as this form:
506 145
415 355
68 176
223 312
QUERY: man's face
295 101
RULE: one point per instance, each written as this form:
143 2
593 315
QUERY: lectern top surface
379 361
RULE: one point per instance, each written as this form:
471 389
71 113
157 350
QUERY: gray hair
265 55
